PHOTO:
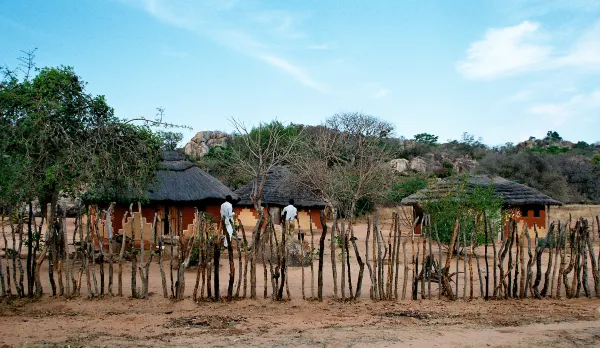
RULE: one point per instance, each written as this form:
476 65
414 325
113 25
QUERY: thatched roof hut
281 185
513 194
179 180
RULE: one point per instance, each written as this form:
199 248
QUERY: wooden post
550 254
379 238
110 236
333 258
341 234
245 244
231 263
199 234
349 270
312 250
238 243
372 289
133 254
121 254
321 254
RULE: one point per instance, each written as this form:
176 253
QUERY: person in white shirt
290 217
227 215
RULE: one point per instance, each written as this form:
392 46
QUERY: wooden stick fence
522 264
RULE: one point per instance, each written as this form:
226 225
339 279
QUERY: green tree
169 140
69 141
553 136
426 139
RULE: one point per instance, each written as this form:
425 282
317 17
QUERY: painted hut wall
187 219
249 217
533 214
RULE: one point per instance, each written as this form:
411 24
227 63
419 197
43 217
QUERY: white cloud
186 14
518 97
382 93
579 106
504 51
183 19
585 53
294 71
320 47
518 49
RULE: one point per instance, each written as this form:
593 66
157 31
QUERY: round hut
280 186
534 206
180 188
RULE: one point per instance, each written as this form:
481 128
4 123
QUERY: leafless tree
256 151
345 160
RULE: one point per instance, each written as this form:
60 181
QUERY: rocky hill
203 141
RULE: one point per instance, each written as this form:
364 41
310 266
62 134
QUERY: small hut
280 186
533 207
180 188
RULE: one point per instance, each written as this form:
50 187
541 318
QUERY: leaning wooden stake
121 254
199 236
333 256
133 254
372 294
405 279
342 239
549 236
595 275
238 244
321 254
312 250
231 263
245 244
110 235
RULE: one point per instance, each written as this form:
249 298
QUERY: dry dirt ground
160 322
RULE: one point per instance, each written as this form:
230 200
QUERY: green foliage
59 138
169 140
406 186
364 205
596 159
466 205
426 139
553 136
550 150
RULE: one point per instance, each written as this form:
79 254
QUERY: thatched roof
179 180
281 185
512 193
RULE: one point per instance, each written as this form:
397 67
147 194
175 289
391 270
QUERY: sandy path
160 322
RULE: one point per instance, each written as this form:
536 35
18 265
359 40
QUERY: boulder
418 164
203 141
400 165
463 165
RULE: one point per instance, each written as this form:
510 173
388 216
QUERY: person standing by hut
227 215
289 214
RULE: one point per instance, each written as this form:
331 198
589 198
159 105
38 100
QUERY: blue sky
499 69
